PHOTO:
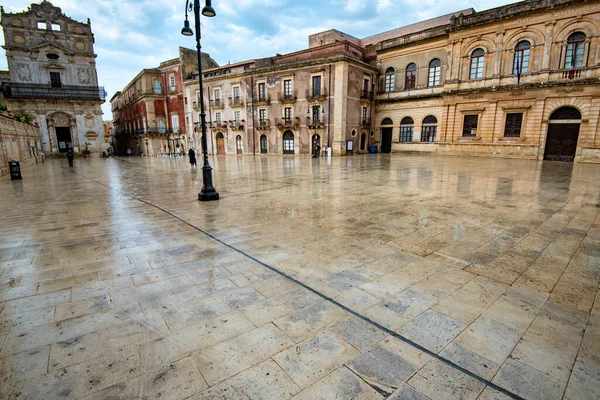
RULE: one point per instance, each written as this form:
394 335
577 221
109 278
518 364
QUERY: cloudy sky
135 34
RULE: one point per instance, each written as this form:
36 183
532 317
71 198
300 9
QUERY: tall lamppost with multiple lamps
208 191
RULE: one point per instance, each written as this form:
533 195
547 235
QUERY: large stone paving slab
492 264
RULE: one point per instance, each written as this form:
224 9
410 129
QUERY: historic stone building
514 81
52 75
149 113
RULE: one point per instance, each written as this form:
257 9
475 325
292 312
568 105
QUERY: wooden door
220 146
561 142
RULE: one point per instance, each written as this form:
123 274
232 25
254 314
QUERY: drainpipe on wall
253 125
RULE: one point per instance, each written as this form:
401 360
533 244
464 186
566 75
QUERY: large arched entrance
288 142
263 144
220 144
386 136
563 133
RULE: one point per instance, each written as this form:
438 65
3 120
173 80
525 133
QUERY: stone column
548 36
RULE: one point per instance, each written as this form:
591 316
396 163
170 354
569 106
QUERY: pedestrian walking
70 156
192 156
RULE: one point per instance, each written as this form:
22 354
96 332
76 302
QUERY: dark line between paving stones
325 297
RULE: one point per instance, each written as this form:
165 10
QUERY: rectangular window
316 86
217 94
287 87
236 92
470 125
316 114
262 92
55 80
218 118
175 123
262 115
476 67
157 88
574 55
434 76
364 115
365 85
172 82
512 127
287 114
42 25
185 100
237 116
55 27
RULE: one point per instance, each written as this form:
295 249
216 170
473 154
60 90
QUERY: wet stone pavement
368 277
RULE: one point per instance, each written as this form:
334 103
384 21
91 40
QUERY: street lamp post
208 191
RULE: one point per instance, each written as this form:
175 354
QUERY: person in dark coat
70 156
192 156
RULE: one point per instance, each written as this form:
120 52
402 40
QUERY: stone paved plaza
366 277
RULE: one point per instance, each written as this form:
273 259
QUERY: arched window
575 50
410 81
429 129
263 144
390 79
521 63
477 64
435 69
387 121
566 113
406 129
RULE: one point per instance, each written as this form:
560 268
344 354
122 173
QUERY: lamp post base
208 192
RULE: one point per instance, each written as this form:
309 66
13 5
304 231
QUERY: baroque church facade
52 76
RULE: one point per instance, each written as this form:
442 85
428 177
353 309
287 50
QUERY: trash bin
372 149
15 170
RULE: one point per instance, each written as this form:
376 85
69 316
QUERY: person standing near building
70 156
192 156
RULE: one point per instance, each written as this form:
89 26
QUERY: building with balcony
149 113
289 103
52 76
515 81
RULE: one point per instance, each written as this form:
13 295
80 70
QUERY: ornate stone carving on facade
61 119
83 76
24 72
89 121
568 90
91 135
517 93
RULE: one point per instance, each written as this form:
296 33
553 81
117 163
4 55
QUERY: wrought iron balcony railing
288 97
217 103
33 91
315 94
366 94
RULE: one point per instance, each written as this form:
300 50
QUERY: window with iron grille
512 127
435 69
477 64
429 129
406 129
470 125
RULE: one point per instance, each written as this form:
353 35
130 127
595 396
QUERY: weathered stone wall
18 141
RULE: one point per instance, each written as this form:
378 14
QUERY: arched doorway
316 140
386 136
288 142
563 133
220 144
263 144
238 144
363 141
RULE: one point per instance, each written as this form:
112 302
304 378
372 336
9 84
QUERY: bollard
15 170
